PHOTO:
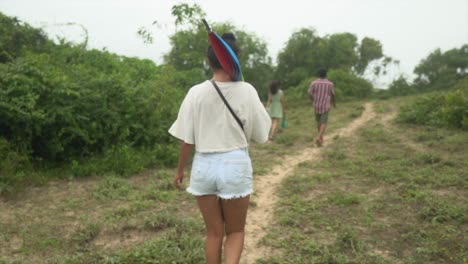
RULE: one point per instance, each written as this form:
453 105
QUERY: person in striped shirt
321 93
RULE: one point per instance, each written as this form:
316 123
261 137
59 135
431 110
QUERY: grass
300 133
142 219
373 199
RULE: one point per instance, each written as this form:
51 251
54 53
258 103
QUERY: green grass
372 199
300 132
375 200
142 219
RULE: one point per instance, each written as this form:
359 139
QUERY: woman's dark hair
230 39
274 86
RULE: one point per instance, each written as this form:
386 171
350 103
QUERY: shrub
449 109
13 166
347 86
400 86
99 112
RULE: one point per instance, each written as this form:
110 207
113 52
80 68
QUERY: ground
377 192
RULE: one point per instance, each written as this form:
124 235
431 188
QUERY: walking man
321 93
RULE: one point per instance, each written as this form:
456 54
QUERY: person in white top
221 177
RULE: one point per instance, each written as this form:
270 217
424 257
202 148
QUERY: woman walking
221 177
276 105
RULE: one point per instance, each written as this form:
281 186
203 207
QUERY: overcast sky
408 29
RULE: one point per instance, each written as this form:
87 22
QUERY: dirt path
260 217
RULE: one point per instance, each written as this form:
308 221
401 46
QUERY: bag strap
227 105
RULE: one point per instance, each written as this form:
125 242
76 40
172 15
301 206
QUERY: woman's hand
178 180
185 151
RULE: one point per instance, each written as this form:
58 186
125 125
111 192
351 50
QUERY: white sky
408 29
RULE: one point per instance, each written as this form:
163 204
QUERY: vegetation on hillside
388 193
91 112
306 52
447 109
438 71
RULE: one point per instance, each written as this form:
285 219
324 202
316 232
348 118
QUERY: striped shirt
321 90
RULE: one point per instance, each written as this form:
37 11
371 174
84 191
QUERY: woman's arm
269 100
185 152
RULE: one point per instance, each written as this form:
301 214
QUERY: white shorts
226 174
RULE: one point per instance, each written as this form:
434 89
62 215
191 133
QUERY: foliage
71 103
438 71
299 92
441 70
188 54
300 57
306 52
19 38
186 13
61 112
369 50
448 109
13 166
77 111
400 86
348 85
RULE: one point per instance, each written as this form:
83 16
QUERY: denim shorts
225 174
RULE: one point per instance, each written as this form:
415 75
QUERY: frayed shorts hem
222 196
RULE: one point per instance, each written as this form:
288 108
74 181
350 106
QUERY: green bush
19 38
68 111
448 109
13 166
400 86
299 92
61 102
347 86
59 112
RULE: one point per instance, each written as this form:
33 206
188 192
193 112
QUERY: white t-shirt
204 119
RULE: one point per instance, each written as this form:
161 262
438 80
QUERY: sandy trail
260 217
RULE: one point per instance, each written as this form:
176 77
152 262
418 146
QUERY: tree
442 70
341 52
305 53
187 14
17 37
369 50
301 57
400 86
349 85
188 53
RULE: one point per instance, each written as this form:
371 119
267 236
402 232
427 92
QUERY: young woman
221 177
276 105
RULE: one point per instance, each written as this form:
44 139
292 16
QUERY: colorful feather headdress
226 56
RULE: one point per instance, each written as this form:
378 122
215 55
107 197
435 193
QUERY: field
377 192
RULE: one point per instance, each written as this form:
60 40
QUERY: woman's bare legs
222 216
235 213
274 127
210 207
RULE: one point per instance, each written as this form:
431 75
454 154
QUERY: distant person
221 179
276 105
321 93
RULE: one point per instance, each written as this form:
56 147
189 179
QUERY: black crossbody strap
227 105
